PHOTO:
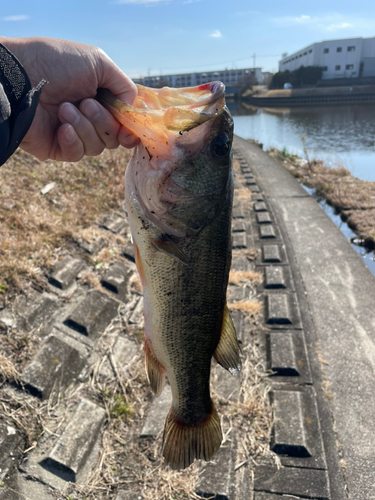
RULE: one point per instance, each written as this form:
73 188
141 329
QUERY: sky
153 37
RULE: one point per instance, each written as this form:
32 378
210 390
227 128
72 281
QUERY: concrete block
92 247
267 231
239 241
114 223
217 478
9 439
123 351
288 435
307 483
65 272
278 310
93 314
260 206
128 251
227 386
238 213
286 352
254 188
77 441
263 218
271 253
157 414
261 495
239 323
35 310
250 181
238 226
57 364
274 277
136 317
282 354
116 280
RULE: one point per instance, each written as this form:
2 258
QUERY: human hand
68 122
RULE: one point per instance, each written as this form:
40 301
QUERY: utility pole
254 59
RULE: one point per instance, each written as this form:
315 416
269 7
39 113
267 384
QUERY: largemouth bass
179 190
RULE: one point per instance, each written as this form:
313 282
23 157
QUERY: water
342 135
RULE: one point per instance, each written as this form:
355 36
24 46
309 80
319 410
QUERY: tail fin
183 443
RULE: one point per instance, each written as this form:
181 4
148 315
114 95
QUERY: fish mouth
159 116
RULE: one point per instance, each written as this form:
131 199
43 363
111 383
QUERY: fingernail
70 135
90 109
69 113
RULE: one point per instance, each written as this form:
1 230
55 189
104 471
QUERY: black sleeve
18 102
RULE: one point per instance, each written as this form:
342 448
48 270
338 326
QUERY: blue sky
175 36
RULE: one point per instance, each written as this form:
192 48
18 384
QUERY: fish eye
220 145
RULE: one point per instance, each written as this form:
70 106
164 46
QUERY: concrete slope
340 293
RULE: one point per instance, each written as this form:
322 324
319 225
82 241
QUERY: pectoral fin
170 248
155 370
227 352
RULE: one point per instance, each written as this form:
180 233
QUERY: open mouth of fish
167 112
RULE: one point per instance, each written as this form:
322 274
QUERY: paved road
339 317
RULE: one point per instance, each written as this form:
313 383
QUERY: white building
346 58
230 78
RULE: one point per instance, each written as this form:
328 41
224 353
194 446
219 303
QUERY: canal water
340 135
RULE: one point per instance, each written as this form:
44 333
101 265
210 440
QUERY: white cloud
15 18
216 34
331 23
191 1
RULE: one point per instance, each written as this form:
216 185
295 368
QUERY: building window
325 68
349 66
310 51
339 49
337 68
325 51
305 53
300 55
351 48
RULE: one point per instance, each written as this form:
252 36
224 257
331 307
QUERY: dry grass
7 370
242 194
250 307
352 198
237 277
33 225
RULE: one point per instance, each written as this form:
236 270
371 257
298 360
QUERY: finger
127 139
71 146
105 124
92 143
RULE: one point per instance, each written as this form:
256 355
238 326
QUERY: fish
178 197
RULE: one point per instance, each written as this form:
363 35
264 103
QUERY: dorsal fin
227 352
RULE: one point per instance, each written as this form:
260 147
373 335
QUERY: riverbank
313 96
353 199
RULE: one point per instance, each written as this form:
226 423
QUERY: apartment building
230 78
345 58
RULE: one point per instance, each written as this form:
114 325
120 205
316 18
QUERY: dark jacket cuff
18 102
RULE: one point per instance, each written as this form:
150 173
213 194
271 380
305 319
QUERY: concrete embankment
335 293
314 96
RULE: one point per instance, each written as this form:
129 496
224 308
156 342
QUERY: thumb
116 81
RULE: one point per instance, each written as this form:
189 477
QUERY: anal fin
154 369
227 352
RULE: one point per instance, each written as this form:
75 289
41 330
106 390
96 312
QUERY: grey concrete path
340 301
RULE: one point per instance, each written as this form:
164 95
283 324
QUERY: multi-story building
346 58
230 78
